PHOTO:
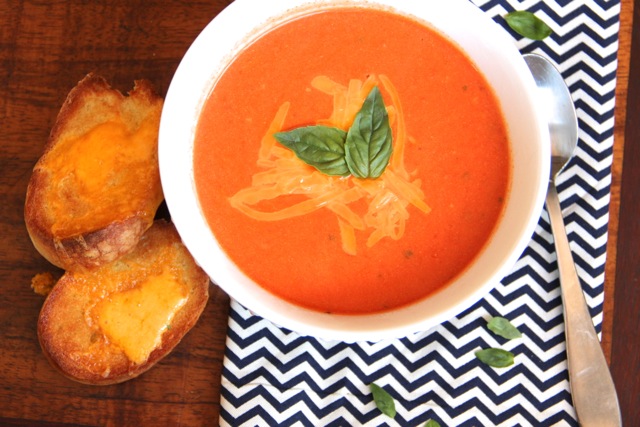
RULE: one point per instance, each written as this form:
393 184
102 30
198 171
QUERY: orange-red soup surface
459 150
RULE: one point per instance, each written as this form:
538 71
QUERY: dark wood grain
46 46
622 83
625 344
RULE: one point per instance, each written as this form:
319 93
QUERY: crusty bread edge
86 88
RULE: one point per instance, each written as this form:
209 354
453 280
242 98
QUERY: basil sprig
496 357
363 151
319 146
502 327
383 400
368 144
528 25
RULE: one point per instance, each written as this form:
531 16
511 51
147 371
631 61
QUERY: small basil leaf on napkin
319 146
502 327
528 25
496 357
368 144
432 423
383 400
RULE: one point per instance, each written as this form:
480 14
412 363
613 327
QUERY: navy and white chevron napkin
275 377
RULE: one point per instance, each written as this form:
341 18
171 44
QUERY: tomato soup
450 152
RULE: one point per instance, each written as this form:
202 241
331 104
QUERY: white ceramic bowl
494 53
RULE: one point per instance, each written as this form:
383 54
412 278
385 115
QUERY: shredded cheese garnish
285 174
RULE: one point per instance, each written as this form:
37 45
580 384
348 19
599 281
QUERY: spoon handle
592 389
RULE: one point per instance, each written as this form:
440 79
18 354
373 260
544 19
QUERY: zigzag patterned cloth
275 377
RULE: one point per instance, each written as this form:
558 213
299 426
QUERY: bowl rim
240 23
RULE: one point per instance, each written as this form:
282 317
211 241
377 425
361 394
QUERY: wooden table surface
46 46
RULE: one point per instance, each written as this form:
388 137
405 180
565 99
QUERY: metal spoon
594 395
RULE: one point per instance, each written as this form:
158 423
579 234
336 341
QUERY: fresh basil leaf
368 143
319 146
383 400
432 423
528 25
496 357
502 327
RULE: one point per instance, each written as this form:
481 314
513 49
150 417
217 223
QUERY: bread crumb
42 283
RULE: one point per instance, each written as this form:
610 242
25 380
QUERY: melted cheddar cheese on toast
96 188
112 323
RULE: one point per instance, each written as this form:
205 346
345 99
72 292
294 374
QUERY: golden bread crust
101 150
70 332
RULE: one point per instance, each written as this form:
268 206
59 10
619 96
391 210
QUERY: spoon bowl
559 108
592 389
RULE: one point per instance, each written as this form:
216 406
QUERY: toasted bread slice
96 188
110 324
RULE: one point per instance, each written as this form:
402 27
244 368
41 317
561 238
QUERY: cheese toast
112 323
96 188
